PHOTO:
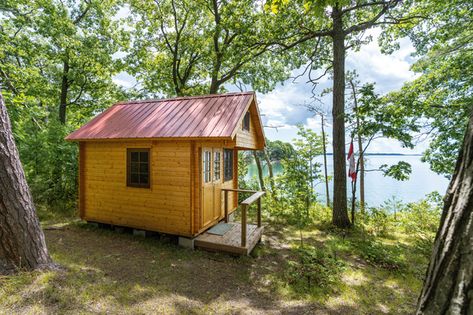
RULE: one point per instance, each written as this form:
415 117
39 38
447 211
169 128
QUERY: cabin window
217 167
138 168
228 164
206 166
246 121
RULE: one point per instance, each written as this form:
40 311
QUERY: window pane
138 168
144 168
217 170
134 178
135 156
206 166
144 156
135 167
228 164
246 121
144 179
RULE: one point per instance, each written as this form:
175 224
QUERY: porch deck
230 241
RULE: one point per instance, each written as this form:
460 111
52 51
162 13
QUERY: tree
324 152
370 117
278 150
319 111
67 45
270 171
361 159
327 30
82 38
448 286
22 243
296 183
195 47
260 170
57 62
440 97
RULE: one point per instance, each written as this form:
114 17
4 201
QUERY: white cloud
389 72
125 80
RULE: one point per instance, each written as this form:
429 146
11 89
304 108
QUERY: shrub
321 213
420 218
313 268
378 221
379 254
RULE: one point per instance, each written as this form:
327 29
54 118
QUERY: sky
283 108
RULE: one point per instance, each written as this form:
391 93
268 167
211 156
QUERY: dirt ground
104 271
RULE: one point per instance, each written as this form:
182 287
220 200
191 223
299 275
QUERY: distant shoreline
388 154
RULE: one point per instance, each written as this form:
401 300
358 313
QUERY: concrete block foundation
186 242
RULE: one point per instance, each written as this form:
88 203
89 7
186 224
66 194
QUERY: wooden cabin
163 165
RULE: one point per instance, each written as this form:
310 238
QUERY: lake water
379 188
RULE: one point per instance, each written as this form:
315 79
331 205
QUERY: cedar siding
250 139
165 206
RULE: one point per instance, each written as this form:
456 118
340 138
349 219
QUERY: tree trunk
270 170
22 243
214 86
64 92
217 62
448 287
353 201
362 176
361 161
340 215
324 148
260 170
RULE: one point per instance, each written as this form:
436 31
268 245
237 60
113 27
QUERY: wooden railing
245 204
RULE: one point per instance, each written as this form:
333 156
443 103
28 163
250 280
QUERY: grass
104 271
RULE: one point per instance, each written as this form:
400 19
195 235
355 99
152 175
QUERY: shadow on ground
105 271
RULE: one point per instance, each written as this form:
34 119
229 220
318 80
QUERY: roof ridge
180 98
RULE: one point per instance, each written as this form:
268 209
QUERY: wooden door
207 187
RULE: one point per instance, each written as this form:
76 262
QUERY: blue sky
283 107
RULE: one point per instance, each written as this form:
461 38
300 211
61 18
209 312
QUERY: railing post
243 225
225 193
259 212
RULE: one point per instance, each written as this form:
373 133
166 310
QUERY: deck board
230 242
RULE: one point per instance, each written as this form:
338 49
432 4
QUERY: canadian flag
351 159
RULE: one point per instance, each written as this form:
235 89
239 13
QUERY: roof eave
149 139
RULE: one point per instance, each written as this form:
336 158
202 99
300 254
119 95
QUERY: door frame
203 185
217 184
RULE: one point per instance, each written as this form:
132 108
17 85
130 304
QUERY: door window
228 164
206 166
217 165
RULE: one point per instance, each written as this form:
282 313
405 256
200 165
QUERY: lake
379 188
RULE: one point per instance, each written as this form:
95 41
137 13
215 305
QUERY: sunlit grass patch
103 271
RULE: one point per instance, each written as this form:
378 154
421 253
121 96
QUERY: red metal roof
213 116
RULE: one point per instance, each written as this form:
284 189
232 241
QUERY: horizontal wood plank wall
233 201
164 207
249 139
81 179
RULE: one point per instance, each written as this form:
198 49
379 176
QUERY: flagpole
353 199
352 174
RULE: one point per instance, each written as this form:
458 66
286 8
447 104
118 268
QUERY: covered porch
238 238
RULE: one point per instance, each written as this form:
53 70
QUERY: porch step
230 242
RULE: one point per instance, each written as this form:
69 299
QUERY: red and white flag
351 159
